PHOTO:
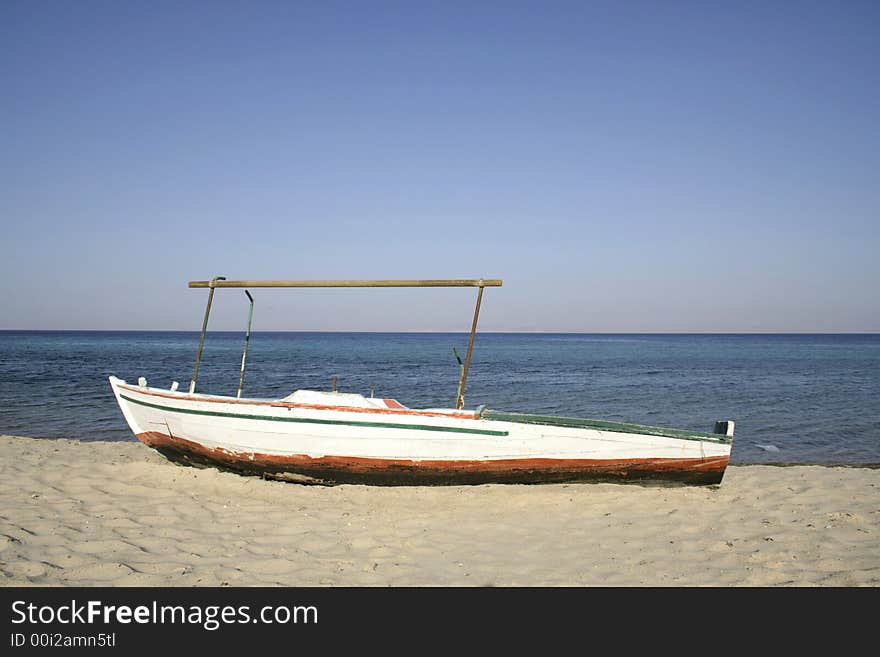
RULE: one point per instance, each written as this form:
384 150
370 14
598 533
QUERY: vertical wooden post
192 384
467 359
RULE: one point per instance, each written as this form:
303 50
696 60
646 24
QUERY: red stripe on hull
359 470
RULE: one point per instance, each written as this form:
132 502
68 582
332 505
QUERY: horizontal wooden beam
478 282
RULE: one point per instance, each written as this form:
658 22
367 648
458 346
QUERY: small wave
768 448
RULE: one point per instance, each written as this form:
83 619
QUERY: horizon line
504 332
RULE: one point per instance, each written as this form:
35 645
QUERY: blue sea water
809 399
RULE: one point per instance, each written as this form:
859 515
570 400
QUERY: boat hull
331 445
330 470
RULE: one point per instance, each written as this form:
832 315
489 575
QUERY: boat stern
725 428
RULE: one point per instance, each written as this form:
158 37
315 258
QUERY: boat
330 437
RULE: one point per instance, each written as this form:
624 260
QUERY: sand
119 514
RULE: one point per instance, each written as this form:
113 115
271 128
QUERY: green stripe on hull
619 427
307 420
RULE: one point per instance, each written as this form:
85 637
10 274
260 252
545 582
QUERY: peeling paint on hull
330 470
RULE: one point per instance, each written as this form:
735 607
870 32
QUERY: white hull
332 439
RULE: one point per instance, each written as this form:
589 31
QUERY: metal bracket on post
247 337
467 359
458 394
192 384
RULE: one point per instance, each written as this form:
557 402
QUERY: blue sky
623 166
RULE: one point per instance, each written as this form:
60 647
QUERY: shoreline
116 513
771 464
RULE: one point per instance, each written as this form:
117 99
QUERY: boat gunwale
604 425
219 399
312 420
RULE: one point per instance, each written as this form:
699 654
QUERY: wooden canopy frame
220 281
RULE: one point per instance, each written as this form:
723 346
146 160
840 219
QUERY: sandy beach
119 514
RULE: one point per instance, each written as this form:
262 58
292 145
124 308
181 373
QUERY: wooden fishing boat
329 437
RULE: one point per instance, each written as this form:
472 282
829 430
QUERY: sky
622 166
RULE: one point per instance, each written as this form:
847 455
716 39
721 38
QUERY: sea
796 398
